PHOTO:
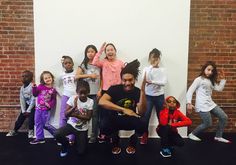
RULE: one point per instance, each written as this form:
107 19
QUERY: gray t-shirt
93 83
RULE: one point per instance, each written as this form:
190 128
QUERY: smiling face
128 81
47 78
110 51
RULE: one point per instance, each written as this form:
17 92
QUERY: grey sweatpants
207 121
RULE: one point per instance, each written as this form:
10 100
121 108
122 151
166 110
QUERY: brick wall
16 55
212 37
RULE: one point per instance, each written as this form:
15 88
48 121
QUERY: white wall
66 27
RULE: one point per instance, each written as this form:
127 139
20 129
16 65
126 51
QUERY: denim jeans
157 102
207 121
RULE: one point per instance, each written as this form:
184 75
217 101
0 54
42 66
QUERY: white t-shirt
69 85
83 107
158 79
203 88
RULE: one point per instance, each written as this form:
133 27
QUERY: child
69 86
155 82
27 103
170 119
46 101
111 68
79 110
204 105
91 74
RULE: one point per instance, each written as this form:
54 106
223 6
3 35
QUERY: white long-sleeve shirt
203 88
158 79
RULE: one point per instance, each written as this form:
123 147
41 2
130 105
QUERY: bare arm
73 112
105 102
142 105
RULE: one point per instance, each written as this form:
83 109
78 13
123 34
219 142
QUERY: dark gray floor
17 151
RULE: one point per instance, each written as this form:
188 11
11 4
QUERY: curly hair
131 68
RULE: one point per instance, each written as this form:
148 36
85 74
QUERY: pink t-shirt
110 71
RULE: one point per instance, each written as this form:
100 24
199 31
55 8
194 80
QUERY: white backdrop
66 27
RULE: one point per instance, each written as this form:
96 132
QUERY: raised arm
96 60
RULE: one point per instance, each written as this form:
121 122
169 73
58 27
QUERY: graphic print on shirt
44 98
80 122
127 103
68 80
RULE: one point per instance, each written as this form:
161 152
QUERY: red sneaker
144 138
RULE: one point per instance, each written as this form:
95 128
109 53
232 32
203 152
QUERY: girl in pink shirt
110 65
111 68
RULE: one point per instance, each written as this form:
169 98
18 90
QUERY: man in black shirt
126 104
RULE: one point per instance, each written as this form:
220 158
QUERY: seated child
171 118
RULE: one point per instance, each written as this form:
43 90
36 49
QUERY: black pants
81 138
21 118
123 122
169 137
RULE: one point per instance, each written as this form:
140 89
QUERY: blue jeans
207 121
156 101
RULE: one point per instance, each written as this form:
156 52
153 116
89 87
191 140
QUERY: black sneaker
37 141
165 152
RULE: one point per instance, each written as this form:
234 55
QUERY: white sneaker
223 140
31 133
193 137
11 133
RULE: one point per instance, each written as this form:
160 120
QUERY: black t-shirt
126 99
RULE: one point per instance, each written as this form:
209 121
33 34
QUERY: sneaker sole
165 156
42 142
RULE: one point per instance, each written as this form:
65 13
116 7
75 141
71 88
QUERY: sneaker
31 133
11 133
37 141
101 138
223 140
144 138
92 139
130 150
63 152
193 137
116 150
165 152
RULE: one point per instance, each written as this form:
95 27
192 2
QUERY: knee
224 118
207 124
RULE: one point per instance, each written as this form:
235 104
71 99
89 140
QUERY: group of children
83 88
